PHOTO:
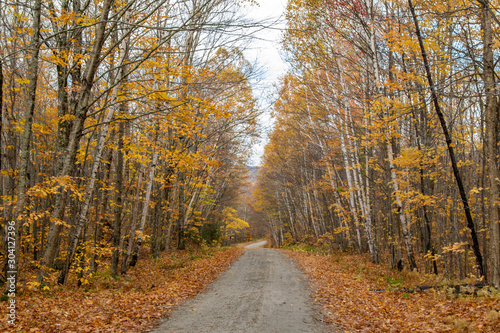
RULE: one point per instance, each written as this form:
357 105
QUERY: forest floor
136 302
358 296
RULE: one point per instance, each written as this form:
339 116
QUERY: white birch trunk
348 170
405 223
145 208
363 200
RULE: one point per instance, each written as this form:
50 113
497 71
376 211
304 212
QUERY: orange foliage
342 285
134 303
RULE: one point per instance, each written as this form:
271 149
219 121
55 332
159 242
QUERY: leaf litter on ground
135 302
344 286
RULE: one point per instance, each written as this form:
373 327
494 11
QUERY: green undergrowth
302 248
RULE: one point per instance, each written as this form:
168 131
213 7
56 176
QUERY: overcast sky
265 51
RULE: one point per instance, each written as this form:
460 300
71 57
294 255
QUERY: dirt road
262 292
256 245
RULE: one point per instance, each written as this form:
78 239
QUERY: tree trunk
1 113
14 236
145 208
491 144
83 217
133 224
118 201
405 224
100 219
181 245
81 107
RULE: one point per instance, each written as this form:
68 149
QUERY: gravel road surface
256 245
262 292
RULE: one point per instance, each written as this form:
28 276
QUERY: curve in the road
256 245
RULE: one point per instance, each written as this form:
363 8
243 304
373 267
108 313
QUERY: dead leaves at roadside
134 303
351 306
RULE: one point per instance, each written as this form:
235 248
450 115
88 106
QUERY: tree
13 265
491 120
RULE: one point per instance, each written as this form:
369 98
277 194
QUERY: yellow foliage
232 220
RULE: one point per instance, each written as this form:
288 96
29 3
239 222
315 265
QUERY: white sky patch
264 50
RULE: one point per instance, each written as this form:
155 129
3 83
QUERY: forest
123 123
386 134
127 130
